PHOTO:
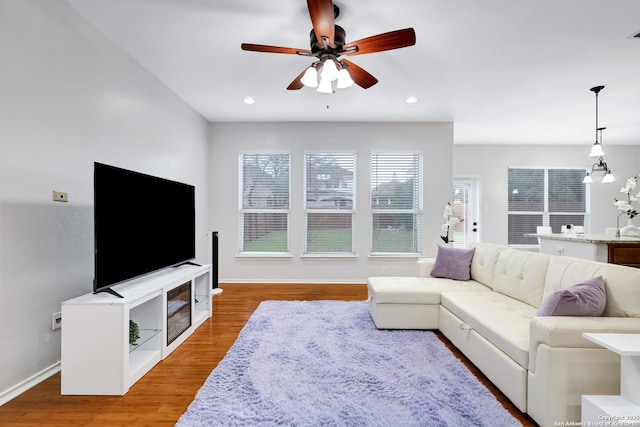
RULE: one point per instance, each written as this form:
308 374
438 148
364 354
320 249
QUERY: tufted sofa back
530 277
521 275
518 274
484 262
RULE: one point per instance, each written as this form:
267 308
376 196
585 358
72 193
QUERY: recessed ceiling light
248 100
412 100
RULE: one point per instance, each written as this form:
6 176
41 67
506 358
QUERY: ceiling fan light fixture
344 79
310 77
329 70
325 86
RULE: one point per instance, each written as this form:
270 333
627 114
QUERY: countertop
587 238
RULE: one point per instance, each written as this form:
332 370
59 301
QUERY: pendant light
597 151
596 148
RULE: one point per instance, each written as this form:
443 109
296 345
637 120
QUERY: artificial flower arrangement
626 206
449 221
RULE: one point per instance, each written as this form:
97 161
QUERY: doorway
465 206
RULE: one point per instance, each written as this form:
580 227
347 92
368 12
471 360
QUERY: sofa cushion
521 275
621 283
416 290
588 298
453 263
500 319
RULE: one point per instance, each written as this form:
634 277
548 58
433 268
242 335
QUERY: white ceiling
504 71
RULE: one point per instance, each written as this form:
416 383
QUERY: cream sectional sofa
542 364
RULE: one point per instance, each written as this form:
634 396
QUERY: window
550 197
264 203
396 203
329 202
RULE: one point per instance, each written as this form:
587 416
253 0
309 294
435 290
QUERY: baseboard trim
30 382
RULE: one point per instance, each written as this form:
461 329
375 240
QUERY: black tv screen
142 224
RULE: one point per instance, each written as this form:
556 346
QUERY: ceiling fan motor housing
318 48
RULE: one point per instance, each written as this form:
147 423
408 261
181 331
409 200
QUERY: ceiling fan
328 45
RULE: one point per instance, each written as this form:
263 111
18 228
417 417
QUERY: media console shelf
97 358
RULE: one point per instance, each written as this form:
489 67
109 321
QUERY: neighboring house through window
329 203
264 203
396 203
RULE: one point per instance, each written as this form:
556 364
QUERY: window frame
546 213
242 210
417 209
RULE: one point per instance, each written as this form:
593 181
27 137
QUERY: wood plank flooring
162 395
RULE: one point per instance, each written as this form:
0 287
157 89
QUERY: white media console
97 358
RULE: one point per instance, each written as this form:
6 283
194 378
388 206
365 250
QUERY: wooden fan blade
381 42
296 84
274 49
359 75
322 18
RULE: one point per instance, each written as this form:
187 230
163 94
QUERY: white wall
490 164
229 139
69 98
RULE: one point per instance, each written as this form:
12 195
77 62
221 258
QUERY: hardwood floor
162 395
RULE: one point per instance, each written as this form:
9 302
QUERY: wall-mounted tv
142 224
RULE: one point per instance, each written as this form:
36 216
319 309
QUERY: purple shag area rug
324 363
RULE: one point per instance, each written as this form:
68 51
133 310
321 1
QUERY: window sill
263 255
345 257
395 256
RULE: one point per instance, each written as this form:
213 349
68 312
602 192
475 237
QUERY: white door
465 206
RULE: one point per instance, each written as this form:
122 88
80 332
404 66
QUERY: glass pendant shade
596 150
310 77
344 79
329 70
325 86
608 177
587 179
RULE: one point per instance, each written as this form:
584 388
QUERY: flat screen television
142 224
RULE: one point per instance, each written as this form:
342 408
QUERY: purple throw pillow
452 263
587 298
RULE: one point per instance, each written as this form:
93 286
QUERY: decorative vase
630 230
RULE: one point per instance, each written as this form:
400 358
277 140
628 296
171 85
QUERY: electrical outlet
59 196
56 321
384 271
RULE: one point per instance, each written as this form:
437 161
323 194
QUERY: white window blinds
396 203
329 203
264 202
549 197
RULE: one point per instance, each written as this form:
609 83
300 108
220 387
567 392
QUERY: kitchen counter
596 247
588 238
